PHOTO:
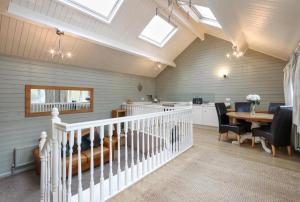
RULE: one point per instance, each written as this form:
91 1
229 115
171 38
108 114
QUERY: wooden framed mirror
39 100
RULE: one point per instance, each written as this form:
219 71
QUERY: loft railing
141 144
148 107
47 107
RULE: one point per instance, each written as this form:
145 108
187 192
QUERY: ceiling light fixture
158 66
59 51
235 53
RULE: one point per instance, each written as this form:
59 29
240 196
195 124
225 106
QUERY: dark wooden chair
225 126
279 133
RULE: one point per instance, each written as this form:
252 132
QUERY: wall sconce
223 73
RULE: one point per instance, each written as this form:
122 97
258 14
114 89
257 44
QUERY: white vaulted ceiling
268 26
118 40
31 41
28 31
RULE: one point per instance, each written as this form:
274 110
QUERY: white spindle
143 147
64 168
119 155
49 152
160 139
169 138
110 133
132 151
164 139
60 167
92 165
138 148
152 142
71 144
126 153
43 157
186 126
55 154
80 199
148 145
101 134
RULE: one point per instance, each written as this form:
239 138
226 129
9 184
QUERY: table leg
243 138
263 144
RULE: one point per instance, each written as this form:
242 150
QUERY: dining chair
279 133
225 126
273 107
243 107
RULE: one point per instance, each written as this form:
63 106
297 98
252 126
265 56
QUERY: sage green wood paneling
110 90
196 74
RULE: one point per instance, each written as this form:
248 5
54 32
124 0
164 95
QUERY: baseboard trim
16 171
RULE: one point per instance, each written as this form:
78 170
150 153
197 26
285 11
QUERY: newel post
43 177
55 153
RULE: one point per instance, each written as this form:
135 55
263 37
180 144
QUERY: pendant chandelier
235 53
59 50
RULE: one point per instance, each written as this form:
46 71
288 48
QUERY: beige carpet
220 171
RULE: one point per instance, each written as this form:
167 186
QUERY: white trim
106 19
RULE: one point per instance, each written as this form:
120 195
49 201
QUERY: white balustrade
149 140
47 107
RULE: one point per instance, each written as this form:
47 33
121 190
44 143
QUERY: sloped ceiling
28 31
268 26
120 35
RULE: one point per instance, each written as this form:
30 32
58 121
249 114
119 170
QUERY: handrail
88 124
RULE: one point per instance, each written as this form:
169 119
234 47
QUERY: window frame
205 19
93 13
165 39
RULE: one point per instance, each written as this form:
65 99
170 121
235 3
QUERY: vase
253 105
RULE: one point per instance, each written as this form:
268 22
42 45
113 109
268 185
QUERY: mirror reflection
42 99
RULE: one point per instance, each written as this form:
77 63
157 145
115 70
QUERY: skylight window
158 31
104 10
206 15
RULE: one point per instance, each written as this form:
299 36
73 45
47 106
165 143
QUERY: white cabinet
197 114
205 114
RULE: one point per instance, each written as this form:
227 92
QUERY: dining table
256 119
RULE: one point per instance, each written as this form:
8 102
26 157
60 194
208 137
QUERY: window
104 10
158 31
206 15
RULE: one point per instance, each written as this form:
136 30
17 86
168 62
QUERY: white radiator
23 156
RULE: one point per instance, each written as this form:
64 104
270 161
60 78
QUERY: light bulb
52 51
69 55
159 65
228 55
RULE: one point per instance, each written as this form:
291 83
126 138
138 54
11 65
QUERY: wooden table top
257 117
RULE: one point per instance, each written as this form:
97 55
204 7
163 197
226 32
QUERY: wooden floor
209 171
221 171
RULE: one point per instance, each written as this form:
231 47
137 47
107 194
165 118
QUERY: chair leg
253 141
239 139
220 136
289 149
273 150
